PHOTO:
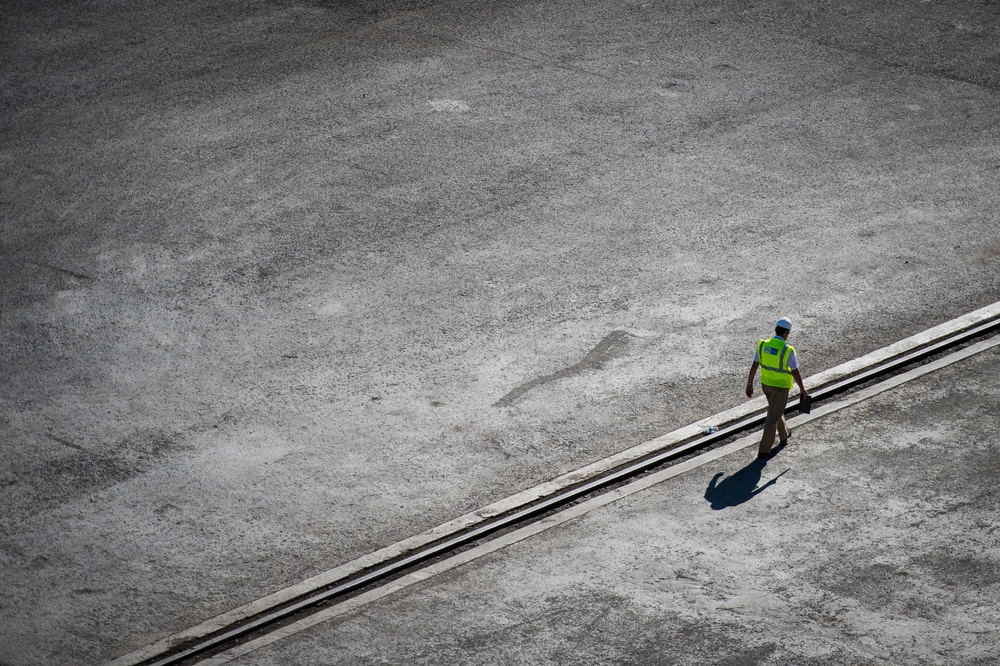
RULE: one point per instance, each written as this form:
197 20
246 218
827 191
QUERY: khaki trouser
777 399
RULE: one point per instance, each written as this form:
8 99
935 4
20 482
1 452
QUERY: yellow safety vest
773 357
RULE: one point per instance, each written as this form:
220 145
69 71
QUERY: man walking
778 367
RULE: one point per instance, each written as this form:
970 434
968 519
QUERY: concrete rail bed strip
555 485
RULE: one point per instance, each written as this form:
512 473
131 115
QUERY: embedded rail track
309 602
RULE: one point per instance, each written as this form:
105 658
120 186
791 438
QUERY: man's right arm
753 371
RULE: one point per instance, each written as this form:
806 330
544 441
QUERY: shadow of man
738 488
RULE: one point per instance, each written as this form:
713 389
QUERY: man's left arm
798 380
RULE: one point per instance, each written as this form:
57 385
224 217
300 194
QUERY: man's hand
749 390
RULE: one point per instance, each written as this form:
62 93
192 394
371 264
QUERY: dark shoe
767 456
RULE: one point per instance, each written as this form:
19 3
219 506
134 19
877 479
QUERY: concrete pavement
284 283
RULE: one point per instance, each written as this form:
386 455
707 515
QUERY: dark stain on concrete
614 345
64 479
65 442
961 570
64 271
611 629
875 586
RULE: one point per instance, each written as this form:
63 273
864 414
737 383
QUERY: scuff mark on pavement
64 271
612 346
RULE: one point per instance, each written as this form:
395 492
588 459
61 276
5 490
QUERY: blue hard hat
784 322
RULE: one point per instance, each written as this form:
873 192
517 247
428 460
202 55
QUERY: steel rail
515 518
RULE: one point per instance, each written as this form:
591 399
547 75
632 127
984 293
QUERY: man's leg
782 425
777 399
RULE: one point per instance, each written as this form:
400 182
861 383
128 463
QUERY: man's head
783 327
